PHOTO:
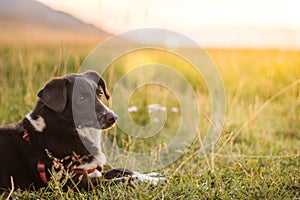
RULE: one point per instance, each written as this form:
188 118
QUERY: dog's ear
54 94
99 80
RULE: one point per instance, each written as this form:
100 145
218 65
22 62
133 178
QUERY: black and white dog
49 139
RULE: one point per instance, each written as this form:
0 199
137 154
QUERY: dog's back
15 159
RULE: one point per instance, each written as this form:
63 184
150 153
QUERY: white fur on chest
93 136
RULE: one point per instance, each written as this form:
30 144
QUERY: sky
243 22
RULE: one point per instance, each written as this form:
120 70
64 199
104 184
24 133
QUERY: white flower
174 109
162 108
132 109
156 119
156 107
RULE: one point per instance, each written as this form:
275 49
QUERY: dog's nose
111 117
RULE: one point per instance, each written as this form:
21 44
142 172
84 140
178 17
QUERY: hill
29 19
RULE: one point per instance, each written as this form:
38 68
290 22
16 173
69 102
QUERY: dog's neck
48 130
46 133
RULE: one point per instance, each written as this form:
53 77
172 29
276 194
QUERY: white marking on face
93 136
38 124
107 109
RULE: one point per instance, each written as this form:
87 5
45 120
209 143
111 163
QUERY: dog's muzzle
111 117
107 120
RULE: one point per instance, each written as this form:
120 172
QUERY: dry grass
258 153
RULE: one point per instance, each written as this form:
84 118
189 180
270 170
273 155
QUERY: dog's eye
99 93
82 98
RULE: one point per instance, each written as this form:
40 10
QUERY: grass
256 157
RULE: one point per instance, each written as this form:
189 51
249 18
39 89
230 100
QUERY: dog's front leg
120 175
116 173
110 177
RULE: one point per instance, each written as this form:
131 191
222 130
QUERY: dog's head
77 98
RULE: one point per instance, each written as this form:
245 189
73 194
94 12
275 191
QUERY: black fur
19 158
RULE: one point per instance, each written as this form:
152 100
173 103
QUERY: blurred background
215 23
254 44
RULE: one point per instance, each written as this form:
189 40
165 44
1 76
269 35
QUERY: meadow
257 155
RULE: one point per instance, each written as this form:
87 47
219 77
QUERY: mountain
30 16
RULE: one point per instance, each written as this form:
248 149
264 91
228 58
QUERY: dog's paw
152 177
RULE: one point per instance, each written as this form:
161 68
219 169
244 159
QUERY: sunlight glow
123 15
189 17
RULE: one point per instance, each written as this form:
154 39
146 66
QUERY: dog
48 141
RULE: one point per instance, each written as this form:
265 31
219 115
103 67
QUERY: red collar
41 169
83 171
42 172
26 137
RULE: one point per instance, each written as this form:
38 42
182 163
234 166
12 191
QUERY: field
258 152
